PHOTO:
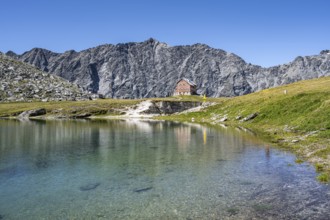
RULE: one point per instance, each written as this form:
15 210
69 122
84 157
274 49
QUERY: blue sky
262 32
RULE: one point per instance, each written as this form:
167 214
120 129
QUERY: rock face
22 82
170 107
152 68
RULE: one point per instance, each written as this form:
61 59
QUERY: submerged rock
89 186
42 164
142 190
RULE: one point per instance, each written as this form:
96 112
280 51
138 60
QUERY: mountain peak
11 54
324 52
152 40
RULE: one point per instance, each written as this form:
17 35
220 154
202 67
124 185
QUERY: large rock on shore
32 113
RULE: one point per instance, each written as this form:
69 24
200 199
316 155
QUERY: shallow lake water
132 169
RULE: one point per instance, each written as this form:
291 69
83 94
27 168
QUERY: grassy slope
298 121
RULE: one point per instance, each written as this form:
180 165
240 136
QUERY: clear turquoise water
150 170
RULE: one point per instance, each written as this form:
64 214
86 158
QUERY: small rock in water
142 190
41 164
232 211
89 186
1 216
100 216
295 141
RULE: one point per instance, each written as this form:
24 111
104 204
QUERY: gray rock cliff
152 68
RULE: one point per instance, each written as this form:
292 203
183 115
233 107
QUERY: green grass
95 107
323 152
323 177
189 98
319 167
67 108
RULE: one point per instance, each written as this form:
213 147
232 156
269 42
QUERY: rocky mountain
22 82
152 68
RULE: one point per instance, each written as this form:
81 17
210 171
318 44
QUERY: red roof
188 81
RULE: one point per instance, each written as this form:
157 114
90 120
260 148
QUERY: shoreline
281 142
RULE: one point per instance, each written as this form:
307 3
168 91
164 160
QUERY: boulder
32 113
238 117
83 115
250 117
224 119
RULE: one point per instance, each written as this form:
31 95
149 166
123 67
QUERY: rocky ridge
152 68
22 82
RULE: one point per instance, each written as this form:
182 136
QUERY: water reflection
133 169
145 142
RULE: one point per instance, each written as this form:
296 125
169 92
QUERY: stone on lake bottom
142 190
89 186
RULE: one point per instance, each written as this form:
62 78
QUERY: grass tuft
323 177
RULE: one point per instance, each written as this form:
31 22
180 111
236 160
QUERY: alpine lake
143 169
